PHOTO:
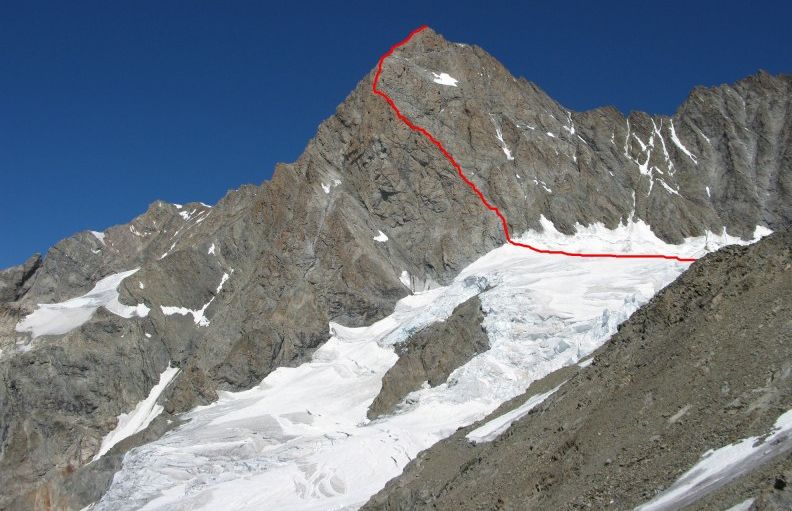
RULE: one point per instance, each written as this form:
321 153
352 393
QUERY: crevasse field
301 439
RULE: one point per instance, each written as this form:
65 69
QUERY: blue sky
108 106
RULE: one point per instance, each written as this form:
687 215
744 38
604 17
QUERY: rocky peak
584 167
370 212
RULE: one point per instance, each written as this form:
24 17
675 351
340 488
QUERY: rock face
432 354
705 363
15 281
707 166
257 277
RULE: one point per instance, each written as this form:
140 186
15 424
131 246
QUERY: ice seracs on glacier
301 439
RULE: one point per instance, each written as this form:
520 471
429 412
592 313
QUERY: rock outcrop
431 355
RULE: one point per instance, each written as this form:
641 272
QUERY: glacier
301 438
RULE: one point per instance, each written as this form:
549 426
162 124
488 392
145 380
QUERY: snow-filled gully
301 439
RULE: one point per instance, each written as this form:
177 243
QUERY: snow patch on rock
444 79
719 466
495 427
63 317
141 416
99 235
680 145
199 315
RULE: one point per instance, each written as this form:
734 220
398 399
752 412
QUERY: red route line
472 185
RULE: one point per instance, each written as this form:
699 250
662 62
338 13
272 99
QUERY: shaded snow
63 317
138 419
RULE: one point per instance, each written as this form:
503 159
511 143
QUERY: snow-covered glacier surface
301 439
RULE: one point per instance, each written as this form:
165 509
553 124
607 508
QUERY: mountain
144 322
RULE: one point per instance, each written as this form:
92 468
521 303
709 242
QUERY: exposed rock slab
431 355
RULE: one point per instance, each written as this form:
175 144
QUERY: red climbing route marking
473 186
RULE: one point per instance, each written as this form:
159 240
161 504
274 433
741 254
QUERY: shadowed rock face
15 281
705 363
302 251
431 355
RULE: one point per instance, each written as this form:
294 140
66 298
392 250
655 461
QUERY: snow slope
494 428
138 419
60 318
301 439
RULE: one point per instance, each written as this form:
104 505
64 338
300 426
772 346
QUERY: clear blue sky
107 106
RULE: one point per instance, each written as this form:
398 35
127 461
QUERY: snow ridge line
473 186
